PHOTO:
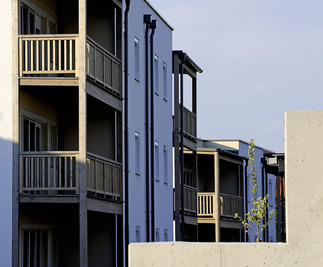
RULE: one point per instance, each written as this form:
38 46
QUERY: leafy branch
254 218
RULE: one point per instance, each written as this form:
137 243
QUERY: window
165 234
31 132
157 161
156 81
157 235
164 81
270 192
137 153
35 20
137 73
38 133
38 246
165 165
137 233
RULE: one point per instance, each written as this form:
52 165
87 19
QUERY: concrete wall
163 126
6 132
303 148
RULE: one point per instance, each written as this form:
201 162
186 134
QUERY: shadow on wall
6 167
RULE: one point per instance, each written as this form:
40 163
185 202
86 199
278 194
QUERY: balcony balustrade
57 173
46 54
190 194
56 55
189 123
103 67
104 177
229 205
49 173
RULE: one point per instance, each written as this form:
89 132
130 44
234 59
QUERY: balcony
229 205
55 57
56 173
44 55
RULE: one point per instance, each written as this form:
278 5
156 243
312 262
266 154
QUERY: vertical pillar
82 134
9 104
216 199
176 147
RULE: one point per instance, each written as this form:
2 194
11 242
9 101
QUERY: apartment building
221 193
64 111
185 72
265 181
150 207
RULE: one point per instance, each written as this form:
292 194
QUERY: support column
82 135
216 199
10 104
176 149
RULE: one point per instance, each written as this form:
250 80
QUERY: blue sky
260 58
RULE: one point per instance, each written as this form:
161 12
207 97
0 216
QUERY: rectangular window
137 233
157 235
156 82
165 234
31 133
136 46
164 81
137 153
157 161
270 192
38 247
165 164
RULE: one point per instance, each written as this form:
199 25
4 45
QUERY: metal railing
104 177
45 54
51 172
103 67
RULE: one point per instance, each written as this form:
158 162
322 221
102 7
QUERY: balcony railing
57 173
104 177
56 55
46 54
103 67
53 172
189 123
229 205
205 204
190 194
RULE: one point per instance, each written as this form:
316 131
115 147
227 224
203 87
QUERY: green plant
254 218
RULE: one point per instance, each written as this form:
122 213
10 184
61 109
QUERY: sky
260 58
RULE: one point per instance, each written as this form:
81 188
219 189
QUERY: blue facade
162 143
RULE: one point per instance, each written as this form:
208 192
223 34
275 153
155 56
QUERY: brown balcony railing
104 177
52 172
229 205
103 67
45 54
189 123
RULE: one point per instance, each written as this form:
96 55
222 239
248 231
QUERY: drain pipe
152 134
246 192
147 21
264 193
182 145
126 132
